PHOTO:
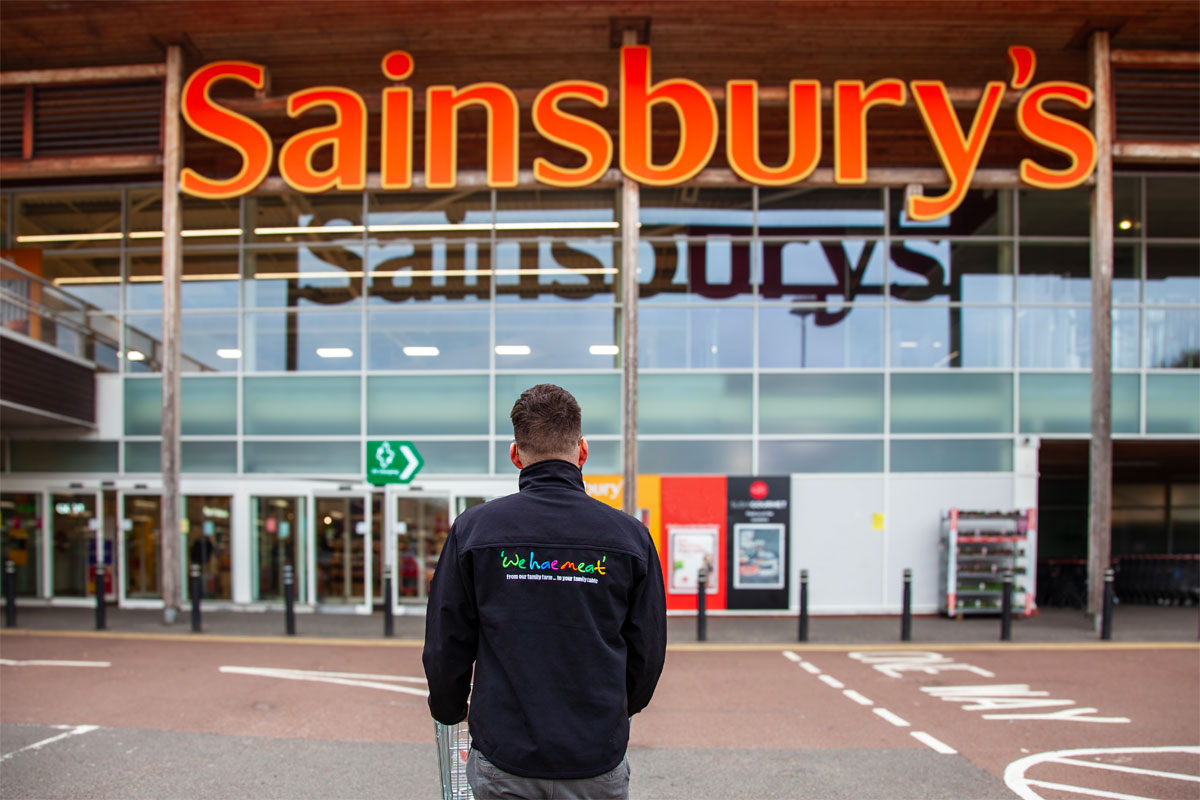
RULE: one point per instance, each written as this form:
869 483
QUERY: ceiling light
1125 224
907 345
135 355
604 349
229 352
512 349
421 352
335 352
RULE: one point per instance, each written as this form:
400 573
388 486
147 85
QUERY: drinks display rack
976 549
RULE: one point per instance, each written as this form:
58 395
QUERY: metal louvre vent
12 116
1161 105
97 118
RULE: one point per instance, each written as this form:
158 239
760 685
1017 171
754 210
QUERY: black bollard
906 615
1006 607
289 602
389 623
100 608
1106 619
197 590
10 594
701 603
804 605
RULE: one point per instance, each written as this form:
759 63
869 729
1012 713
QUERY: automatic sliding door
278 530
422 524
342 543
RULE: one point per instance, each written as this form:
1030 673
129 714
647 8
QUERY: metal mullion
492 243
1143 315
887 383
362 392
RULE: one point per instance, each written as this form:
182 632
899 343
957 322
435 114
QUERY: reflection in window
325 274
1173 274
1173 206
415 339
697 337
208 343
951 336
557 339
299 341
94 279
959 272
808 336
290 217
800 211
1061 273
299 406
545 270
983 212
420 214
209 280
680 270
437 271
1173 338
1061 337
552 211
827 271
696 211
1066 212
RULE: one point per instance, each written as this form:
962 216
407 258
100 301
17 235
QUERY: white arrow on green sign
392 462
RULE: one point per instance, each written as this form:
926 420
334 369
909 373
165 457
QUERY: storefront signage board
392 462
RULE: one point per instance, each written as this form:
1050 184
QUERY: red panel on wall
693 507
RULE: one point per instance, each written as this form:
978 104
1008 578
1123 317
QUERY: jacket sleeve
645 634
451 636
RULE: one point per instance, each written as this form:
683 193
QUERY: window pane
809 336
303 341
322 274
1055 273
556 339
694 404
64 456
697 211
820 212
956 271
414 338
1062 337
1173 207
438 271
820 403
208 457
276 218
1173 338
958 336
1173 274
1127 207
984 212
453 458
1058 212
1061 403
781 458
697 270
952 403
569 271
317 458
694 458
209 280
206 406
143 456
205 221
300 406
953 455
401 215
208 343
95 279
1173 403
703 337
553 211
95 216
604 457
599 398
827 272
403 407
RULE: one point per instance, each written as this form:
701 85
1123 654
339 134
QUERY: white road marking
858 698
1017 779
936 744
829 680
38 662
790 656
811 669
899 722
364 681
69 731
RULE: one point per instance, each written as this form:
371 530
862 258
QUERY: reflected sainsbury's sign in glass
958 151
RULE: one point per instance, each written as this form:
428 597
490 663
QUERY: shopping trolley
453 747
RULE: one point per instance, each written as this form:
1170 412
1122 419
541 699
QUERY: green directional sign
392 462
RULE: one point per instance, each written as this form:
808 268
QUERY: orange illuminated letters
241 133
804 133
576 133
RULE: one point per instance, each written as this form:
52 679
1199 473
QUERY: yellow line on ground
678 647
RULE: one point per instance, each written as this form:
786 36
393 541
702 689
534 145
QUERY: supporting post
101 609
389 622
906 612
10 594
172 268
1106 619
1100 501
289 600
630 211
803 634
1006 607
702 605
197 589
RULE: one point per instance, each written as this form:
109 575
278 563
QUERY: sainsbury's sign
959 152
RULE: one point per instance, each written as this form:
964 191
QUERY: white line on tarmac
72 730
936 744
362 681
37 662
858 698
1119 768
1063 787
829 680
810 668
899 722
790 656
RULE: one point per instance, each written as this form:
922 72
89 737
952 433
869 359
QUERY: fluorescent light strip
443 227
432 273
190 234
512 350
335 352
229 352
86 280
604 349
69 237
335 229
421 352
135 355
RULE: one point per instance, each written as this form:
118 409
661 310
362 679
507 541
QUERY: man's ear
583 452
514 456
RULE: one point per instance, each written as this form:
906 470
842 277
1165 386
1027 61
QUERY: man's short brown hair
546 422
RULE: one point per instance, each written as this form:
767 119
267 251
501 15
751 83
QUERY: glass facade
779 331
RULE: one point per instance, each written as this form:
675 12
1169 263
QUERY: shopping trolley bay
148 716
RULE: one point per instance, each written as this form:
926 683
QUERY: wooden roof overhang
527 45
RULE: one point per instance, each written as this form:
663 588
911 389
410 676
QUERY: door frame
363 494
48 515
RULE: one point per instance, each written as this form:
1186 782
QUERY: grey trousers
489 782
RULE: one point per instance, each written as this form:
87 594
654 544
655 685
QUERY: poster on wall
759 550
759 520
690 547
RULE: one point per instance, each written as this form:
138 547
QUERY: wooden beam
82 74
75 166
1157 152
1160 59
27 125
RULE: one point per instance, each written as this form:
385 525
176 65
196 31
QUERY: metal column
630 205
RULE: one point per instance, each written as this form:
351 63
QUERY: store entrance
342 535
417 527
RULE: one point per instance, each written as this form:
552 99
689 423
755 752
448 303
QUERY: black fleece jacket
558 602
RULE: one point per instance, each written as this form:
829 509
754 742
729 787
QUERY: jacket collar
551 474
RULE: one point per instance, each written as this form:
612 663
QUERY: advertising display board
690 548
759 513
